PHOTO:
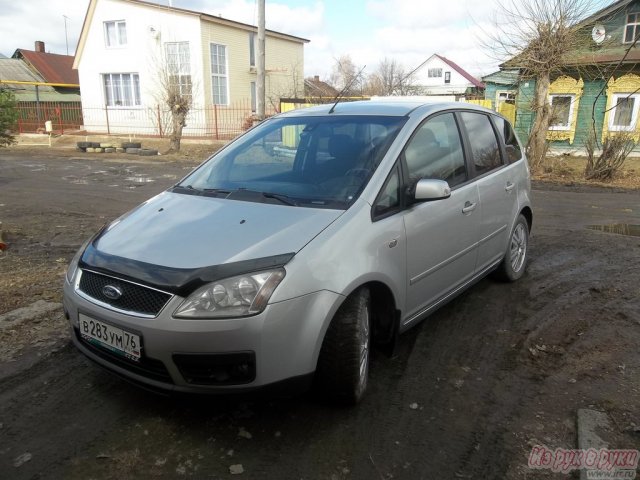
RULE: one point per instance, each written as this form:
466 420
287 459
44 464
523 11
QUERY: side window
484 146
435 151
388 200
512 147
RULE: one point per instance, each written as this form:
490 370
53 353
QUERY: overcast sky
368 30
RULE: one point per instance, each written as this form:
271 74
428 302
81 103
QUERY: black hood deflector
180 281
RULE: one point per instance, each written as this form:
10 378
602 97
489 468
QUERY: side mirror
431 189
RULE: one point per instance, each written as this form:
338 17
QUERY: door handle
509 186
469 207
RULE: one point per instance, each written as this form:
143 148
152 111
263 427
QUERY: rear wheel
343 365
514 262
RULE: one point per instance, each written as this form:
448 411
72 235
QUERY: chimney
39 46
316 78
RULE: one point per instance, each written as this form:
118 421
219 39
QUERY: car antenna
342 92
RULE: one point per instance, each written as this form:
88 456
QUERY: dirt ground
466 395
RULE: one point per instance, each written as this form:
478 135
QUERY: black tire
132 145
514 262
343 365
147 152
95 144
83 145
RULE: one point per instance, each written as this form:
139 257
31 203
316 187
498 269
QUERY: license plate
112 338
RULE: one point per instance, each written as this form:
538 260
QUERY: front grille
146 367
217 368
135 298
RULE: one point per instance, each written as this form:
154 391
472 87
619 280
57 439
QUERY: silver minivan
284 258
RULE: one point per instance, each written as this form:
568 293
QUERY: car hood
186 231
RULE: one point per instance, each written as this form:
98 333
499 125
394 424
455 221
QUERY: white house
440 76
126 44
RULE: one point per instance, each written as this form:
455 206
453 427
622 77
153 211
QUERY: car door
442 235
496 181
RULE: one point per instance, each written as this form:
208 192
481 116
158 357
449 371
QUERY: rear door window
512 147
483 142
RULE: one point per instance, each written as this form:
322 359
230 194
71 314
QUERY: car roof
386 108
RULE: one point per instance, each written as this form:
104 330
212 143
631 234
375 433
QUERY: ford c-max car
293 250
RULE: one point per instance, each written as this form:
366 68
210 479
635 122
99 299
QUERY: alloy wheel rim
364 347
518 247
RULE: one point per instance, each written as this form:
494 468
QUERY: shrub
615 150
8 117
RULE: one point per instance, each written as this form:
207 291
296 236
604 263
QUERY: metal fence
64 116
213 121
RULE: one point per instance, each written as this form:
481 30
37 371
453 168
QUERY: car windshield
314 161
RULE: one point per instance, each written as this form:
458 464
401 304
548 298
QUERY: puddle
140 179
76 180
618 228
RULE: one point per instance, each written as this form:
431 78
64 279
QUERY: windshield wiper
205 191
282 198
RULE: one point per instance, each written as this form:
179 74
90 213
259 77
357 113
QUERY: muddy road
466 395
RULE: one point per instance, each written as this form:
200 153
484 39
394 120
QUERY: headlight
239 296
73 265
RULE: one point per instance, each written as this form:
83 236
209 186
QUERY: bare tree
174 92
291 87
391 78
343 74
537 37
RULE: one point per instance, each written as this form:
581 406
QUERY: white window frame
634 114
116 24
447 77
181 71
571 106
225 76
435 72
253 38
508 93
135 93
636 27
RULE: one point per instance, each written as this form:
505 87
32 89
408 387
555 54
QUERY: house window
624 115
219 76
447 77
254 97
505 96
121 89
561 112
631 28
115 33
179 67
434 73
252 49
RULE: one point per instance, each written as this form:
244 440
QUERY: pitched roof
603 12
52 67
314 87
15 69
461 71
502 77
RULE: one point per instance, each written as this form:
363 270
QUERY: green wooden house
599 89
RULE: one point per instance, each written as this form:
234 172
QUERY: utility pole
260 62
66 38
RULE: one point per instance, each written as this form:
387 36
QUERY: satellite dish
598 33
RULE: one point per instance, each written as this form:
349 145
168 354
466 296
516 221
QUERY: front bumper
281 343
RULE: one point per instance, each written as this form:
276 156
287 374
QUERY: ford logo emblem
112 292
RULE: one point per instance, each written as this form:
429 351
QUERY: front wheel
514 262
343 365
